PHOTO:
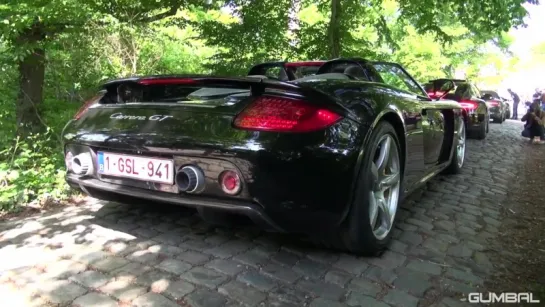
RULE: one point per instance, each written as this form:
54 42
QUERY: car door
424 122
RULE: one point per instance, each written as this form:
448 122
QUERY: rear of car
496 106
476 111
241 145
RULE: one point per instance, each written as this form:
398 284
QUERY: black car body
497 106
507 103
476 111
316 155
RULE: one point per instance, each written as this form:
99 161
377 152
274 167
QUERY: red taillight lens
435 95
284 115
492 104
469 105
230 182
86 106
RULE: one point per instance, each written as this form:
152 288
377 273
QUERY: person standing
516 100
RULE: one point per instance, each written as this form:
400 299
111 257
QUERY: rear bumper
292 182
107 191
495 113
474 120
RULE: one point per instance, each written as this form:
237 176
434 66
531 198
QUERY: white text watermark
506 297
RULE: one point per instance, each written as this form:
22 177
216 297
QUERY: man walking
516 100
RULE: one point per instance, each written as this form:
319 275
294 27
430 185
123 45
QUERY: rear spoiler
256 86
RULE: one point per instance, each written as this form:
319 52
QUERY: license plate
136 167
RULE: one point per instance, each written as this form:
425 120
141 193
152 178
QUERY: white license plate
136 167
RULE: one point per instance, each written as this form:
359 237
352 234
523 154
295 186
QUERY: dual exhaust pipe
81 164
189 179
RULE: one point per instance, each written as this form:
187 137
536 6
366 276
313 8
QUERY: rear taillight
86 106
435 95
469 104
284 115
492 104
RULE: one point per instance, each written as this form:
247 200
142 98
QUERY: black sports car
329 155
475 110
496 105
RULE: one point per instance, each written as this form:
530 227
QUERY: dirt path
519 255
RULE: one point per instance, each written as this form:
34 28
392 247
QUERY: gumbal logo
506 297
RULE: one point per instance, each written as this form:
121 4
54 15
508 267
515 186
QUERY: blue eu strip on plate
100 159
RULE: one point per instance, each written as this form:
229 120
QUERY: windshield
491 94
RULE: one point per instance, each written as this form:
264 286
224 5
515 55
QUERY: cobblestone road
105 254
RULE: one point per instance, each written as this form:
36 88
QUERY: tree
335 28
29 25
249 32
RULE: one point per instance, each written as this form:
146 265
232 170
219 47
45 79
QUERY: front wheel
367 228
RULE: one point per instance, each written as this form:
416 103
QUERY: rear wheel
367 228
483 129
459 154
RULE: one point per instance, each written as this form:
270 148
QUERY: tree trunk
334 30
31 83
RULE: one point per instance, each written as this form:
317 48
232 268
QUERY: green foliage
31 170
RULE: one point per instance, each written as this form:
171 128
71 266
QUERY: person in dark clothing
535 118
516 100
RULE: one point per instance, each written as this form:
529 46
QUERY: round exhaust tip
68 158
82 164
190 179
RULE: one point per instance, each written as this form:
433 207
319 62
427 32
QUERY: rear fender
389 111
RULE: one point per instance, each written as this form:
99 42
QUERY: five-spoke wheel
386 174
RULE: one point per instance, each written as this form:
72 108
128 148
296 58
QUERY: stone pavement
106 254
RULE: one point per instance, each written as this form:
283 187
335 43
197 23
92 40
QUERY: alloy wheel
384 196
461 144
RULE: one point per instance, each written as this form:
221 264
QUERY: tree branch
171 12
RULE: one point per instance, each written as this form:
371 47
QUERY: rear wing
118 89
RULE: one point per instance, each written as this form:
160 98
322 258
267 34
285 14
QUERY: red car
285 71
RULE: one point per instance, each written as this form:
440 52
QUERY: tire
458 157
356 234
483 129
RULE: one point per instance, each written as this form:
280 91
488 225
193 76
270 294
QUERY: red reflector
468 104
284 115
167 81
86 106
230 182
